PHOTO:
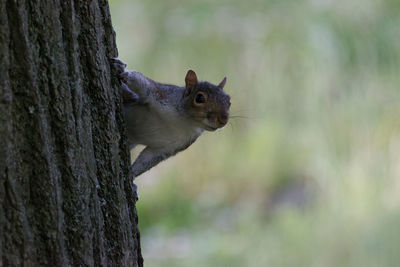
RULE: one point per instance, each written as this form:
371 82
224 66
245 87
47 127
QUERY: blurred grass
311 175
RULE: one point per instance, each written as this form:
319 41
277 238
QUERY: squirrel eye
200 98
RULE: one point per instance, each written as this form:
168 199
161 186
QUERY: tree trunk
65 197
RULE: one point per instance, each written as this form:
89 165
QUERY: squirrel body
167 118
161 123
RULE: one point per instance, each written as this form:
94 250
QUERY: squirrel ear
190 80
222 83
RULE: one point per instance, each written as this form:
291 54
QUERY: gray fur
157 116
157 123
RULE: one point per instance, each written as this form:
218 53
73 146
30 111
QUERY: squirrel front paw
128 96
120 68
131 174
125 76
118 65
135 192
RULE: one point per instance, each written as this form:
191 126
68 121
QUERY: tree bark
65 197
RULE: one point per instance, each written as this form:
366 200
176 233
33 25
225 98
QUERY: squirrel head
206 104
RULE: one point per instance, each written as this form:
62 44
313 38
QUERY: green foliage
310 175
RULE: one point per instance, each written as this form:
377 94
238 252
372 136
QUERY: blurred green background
309 173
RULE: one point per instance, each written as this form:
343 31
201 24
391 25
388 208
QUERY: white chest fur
166 129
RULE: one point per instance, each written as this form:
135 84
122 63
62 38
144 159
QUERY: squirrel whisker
166 118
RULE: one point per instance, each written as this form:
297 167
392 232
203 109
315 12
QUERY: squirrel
167 118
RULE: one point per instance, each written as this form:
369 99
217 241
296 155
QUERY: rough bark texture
65 199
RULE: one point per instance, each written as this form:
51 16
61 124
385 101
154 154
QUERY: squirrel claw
124 76
118 65
135 188
118 61
135 192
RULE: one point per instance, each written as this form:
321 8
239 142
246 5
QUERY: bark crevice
65 197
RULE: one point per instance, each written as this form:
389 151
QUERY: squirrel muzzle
223 118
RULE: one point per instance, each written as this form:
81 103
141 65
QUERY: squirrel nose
223 118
